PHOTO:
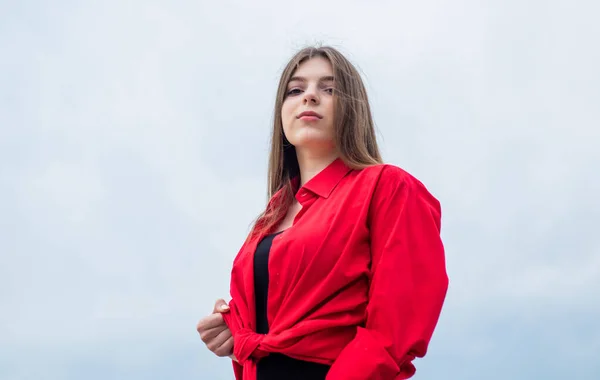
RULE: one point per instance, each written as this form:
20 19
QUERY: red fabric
357 282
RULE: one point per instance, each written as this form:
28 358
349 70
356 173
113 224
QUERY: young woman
343 276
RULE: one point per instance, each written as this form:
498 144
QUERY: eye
294 91
329 90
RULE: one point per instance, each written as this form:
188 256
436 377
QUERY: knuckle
201 325
211 346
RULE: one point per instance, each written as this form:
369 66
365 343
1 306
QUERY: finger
209 335
209 322
226 348
215 344
220 306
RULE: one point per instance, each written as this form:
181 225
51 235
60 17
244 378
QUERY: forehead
314 68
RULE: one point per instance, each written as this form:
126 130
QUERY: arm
408 283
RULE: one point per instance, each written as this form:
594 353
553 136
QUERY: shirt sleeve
408 282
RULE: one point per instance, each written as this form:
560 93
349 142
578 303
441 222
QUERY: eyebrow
328 78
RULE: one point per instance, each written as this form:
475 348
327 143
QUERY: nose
311 96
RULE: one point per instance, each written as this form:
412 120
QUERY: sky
133 152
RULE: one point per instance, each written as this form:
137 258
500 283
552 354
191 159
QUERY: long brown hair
354 131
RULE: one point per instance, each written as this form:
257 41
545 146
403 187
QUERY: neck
311 163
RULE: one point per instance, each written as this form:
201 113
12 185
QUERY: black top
276 366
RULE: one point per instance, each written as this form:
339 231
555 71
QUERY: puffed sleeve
408 282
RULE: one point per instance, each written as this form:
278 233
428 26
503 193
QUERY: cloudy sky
133 150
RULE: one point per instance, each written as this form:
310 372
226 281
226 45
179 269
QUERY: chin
312 142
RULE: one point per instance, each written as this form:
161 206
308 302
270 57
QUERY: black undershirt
276 366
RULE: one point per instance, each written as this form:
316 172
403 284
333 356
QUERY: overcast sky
133 151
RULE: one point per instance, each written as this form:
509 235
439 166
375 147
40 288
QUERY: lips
310 114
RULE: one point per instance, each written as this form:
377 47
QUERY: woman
343 276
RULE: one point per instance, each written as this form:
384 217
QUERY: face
307 111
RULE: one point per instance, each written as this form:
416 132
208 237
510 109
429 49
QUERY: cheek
288 117
331 119
331 107
286 113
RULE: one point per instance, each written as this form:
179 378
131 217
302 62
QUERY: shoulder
389 176
390 181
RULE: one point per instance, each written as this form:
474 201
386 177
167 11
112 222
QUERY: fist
215 333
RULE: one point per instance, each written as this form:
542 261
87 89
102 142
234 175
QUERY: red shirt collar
327 179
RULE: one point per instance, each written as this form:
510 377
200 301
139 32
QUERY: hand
215 333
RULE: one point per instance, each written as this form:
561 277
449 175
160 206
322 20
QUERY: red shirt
357 282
